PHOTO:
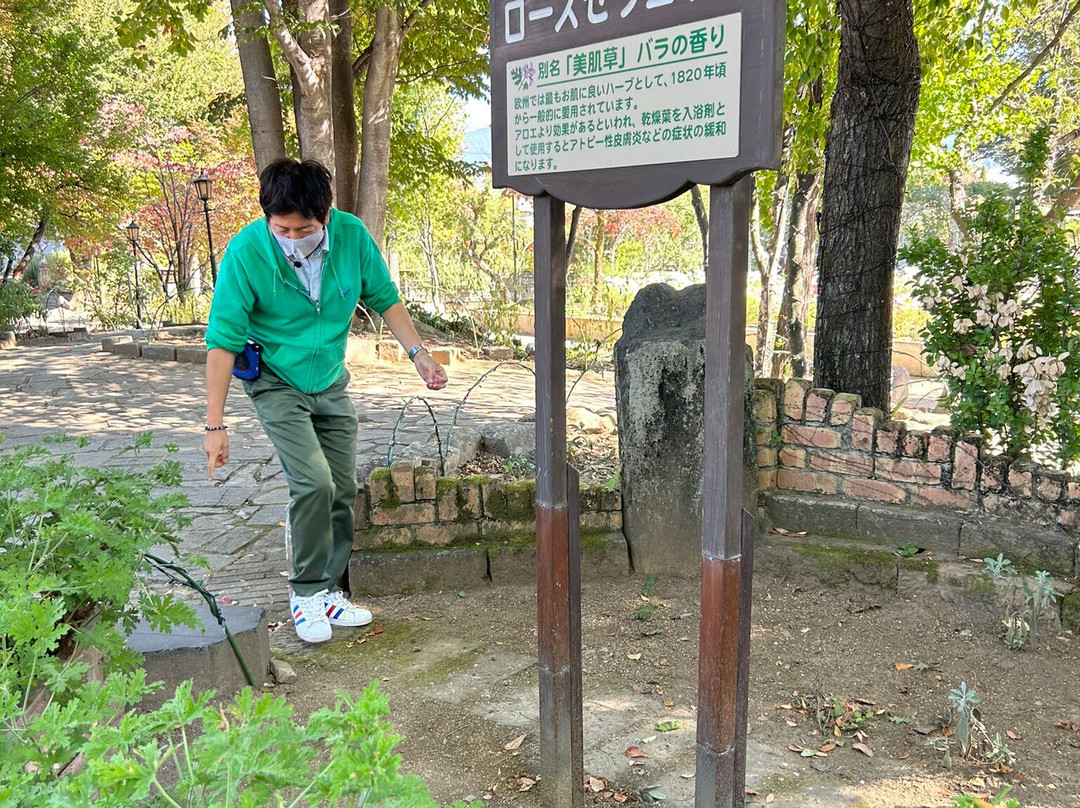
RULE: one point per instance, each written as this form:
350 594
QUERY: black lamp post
133 235
203 185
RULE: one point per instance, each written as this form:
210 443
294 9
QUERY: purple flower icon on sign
523 76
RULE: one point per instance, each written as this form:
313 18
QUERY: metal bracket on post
721 643
558 530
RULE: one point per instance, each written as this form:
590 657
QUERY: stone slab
799 512
108 344
127 349
159 353
191 354
931 530
204 654
1051 550
378 574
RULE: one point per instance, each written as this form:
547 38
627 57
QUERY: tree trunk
702 217
768 316
375 131
260 84
346 147
31 248
792 326
866 160
310 58
571 239
598 255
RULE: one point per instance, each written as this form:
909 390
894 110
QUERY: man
289 283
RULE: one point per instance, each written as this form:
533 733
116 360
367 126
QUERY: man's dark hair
289 186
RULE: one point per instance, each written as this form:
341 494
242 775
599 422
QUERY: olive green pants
315 438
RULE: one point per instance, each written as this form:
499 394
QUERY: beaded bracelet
221 428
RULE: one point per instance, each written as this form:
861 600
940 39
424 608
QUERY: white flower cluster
1038 373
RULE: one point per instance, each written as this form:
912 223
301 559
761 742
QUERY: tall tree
866 163
260 84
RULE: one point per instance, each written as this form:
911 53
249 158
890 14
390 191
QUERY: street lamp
133 235
203 185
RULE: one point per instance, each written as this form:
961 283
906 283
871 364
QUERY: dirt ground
459 669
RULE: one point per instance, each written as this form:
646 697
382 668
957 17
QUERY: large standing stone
660 386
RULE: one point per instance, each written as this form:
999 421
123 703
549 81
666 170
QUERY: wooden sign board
625 103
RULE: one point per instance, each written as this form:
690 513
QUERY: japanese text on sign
570 15
667 96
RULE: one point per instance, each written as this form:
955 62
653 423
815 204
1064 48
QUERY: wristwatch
414 350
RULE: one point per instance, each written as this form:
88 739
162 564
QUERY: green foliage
971 734
1024 602
17 302
73 538
907 550
1001 799
1002 327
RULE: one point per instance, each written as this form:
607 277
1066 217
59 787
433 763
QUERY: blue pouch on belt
246 365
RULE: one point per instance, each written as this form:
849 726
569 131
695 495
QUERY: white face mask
301 246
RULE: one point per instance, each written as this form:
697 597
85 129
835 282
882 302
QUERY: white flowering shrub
1004 328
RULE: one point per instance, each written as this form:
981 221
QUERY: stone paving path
78 390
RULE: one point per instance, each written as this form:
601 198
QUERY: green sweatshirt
259 297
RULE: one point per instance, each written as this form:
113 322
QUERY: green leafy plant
644 611
1001 799
520 466
1025 602
73 540
17 303
250 752
1003 329
971 734
907 550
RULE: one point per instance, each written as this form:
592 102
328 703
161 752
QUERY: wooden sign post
622 104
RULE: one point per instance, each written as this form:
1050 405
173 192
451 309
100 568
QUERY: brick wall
818 441
408 505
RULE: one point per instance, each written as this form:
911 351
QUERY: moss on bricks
1070 611
444 484
391 500
520 498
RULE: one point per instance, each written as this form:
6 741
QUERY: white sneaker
309 617
341 612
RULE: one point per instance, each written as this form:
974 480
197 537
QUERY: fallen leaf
828 747
1012 736
525 783
790 723
669 726
794 747
904 756
903 666
750 792
867 702
635 752
687 775
861 747
650 739
769 798
669 703
784 532
1065 725
634 657
594 784
619 798
378 631
514 744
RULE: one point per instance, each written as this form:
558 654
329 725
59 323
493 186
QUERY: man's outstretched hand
433 374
